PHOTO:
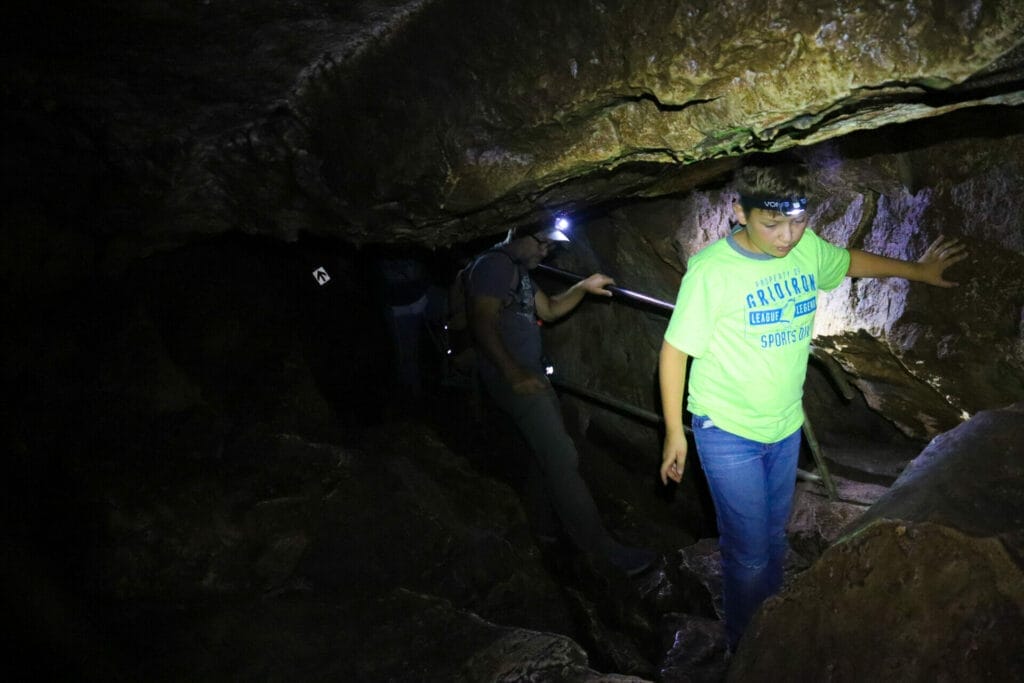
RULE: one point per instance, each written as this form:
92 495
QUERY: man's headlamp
555 232
789 206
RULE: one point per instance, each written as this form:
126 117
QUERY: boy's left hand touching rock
941 254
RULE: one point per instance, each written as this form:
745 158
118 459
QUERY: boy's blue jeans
752 486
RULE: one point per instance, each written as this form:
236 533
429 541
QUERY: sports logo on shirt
779 306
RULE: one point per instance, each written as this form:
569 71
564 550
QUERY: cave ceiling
439 121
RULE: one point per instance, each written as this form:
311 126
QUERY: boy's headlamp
788 205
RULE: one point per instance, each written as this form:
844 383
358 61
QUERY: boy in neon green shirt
745 314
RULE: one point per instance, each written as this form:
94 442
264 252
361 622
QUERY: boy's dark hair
772 175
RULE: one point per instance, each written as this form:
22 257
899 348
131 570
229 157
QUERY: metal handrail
831 367
614 289
611 402
647 416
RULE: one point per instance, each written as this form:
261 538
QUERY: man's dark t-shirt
496 275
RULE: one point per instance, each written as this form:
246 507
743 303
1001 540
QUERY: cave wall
388 120
142 128
181 387
925 357
537 106
936 560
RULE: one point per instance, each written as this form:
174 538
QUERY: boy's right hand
673 458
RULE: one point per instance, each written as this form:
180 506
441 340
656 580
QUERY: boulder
928 584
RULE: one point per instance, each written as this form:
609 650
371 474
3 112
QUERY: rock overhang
438 122
541 115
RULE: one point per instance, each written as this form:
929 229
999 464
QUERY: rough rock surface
211 475
952 606
159 124
583 90
937 560
968 479
389 121
197 493
925 357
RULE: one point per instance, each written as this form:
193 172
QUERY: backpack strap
517 277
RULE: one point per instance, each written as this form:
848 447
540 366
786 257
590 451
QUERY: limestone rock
394 121
432 641
925 357
930 580
968 479
633 86
899 601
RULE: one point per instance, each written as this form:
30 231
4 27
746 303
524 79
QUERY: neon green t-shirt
746 320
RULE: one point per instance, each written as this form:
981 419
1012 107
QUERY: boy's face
770 232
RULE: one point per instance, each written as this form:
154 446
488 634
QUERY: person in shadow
504 305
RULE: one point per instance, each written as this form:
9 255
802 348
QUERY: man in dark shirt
504 305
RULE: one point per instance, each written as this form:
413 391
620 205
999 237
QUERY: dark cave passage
221 409
237 449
